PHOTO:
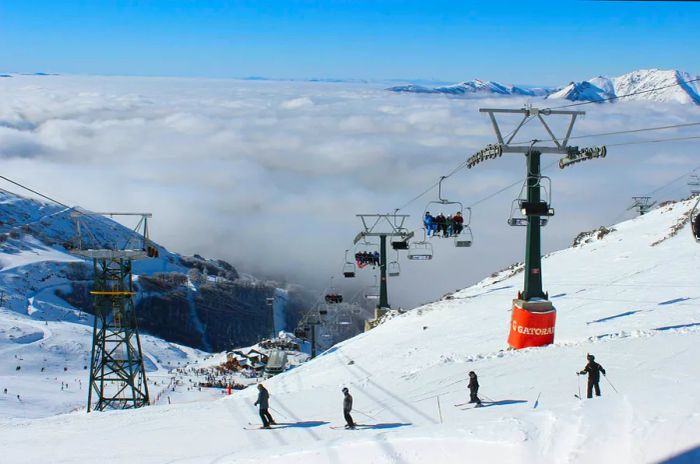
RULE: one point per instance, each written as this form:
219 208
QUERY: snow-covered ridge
673 87
474 87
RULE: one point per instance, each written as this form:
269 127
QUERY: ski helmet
345 389
590 357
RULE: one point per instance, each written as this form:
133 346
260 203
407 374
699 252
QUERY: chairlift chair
372 292
465 238
366 246
332 296
521 210
421 250
393 268
348 267
344 318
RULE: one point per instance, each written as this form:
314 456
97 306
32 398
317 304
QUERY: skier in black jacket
347 407
473 388
593 369
264 403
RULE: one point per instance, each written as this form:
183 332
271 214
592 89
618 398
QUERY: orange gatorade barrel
532 324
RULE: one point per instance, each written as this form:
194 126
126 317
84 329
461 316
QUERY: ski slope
631 297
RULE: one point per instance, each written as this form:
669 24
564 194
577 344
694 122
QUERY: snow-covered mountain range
475 87
672 86
629 295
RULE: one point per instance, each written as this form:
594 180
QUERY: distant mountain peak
660 85
474 87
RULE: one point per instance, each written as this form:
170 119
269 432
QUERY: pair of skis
476 405
252 426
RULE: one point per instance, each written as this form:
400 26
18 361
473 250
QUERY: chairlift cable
640 142
458 168
34 191
632 131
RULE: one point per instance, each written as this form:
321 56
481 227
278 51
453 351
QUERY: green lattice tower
117 374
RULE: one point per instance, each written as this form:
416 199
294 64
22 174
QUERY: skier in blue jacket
429 222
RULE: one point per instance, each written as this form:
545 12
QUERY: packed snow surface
629 296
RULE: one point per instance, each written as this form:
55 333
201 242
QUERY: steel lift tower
642 204
533 315
117 374
383 226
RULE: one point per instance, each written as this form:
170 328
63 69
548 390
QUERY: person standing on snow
263 402
593 369
347 407
473 389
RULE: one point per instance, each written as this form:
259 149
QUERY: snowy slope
630 297
641 83
581 91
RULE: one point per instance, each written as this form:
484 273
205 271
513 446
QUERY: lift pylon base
532 323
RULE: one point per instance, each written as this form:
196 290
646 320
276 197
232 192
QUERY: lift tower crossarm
527 112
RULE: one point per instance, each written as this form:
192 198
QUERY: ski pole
578 381
613 386
277 412
439 409
364 414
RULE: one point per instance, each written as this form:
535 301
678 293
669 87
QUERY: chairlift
372 292
393 268
344 318
421 250
521 209
348 267
332 296
464 237
695 221
461 231
365 247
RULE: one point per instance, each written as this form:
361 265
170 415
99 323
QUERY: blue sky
544 42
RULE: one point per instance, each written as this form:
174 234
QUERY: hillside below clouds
673 87
197 302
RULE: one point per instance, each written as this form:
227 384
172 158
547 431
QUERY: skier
441 224
458 222
429 222
696 226
593 369
263 403
347 407
473 388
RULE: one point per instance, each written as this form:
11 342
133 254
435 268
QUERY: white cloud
271 174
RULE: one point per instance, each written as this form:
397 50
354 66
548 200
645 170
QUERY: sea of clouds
269 175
